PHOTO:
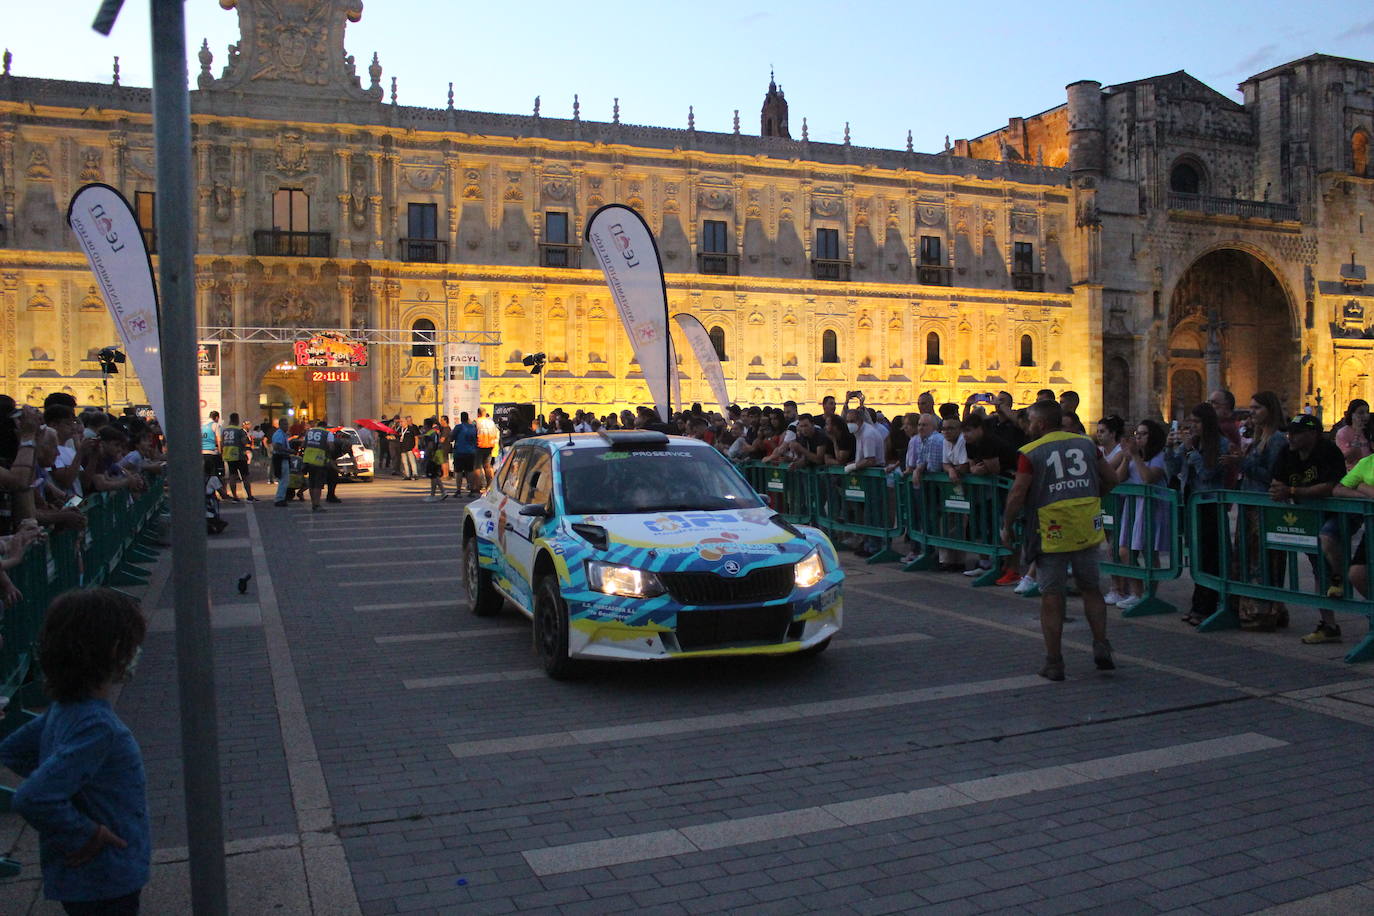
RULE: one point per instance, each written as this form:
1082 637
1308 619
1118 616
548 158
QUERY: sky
883 67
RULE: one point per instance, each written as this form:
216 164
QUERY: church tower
773 117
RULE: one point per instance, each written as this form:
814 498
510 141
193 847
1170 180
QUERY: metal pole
176 279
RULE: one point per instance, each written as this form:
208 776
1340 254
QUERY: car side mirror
535 511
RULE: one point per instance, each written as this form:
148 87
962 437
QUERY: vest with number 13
1065 506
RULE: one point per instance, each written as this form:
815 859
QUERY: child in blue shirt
84 789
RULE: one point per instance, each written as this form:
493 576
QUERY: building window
933 349
1359 154
290 210
713 236
1185 179
1027 350
145 213
830 347
930 251
1023 258
422 337
422 235
828 244
556 227
718 342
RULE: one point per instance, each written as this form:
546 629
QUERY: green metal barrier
1258 548
1158 511
966 517
859 502
790 491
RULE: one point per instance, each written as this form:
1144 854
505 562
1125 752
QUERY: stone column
9 328
238 215
204 190
374 201
348 398
245 388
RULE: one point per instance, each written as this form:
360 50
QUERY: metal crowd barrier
1158 513
964 517
862 503
116 539
1258 549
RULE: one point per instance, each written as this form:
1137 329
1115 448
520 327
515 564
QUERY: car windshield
598 481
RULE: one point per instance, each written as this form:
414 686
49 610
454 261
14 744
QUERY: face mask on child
853 427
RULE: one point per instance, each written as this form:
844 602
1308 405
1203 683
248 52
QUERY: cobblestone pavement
386 751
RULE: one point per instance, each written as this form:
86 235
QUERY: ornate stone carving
357 197
712 198
423 177
39 168
40 301
827 206
90 165
1023 223
557 189
92 301
221 199
515 309
291 309
472 189
295 42
290 158
930 214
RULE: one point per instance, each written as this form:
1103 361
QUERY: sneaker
280 502
1009 577
1053 669
252 499
317 509
974 572
431 498
1129 602
1025 585
910 558
443 496
1102 655
1321 634
1335 590
332 499
1034 592
1113 596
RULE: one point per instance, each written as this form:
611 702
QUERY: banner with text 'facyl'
105 226
625 248
462 380
706 356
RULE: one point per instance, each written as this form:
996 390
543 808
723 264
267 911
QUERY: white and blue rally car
636 546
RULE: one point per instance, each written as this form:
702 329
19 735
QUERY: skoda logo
731 568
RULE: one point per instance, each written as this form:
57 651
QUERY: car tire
817 649
483 597
551 628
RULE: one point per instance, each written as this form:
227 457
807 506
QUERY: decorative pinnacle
909 147
577 108
374 70
116 70
536 106
806 135
6 60
691 117
846 133
450 96
206 56
736 120
615 112
393 90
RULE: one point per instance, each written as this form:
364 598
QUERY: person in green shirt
1358 483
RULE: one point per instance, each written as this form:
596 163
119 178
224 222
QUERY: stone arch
1188 175
1352 381
1241 285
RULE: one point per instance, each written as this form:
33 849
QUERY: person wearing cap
1310 466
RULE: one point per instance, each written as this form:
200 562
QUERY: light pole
536 363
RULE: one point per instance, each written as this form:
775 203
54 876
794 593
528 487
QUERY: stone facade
1232 239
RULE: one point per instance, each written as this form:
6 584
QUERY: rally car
355 459
635 545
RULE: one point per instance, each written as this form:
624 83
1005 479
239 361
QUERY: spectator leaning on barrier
1263 439
869 452
1196 459
1358 483
1310 466
1352 432
1005 423
1148 531
842 442
1060 479
989 455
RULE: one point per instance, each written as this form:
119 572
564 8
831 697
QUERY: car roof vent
626 439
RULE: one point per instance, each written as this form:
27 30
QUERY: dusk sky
885 67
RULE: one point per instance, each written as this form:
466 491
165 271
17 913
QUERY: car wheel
551 628
483 597
817 649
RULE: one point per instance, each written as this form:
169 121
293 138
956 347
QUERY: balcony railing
424 251
559 254
828 269
282 243
934 275
1233 206
715 262
1027 281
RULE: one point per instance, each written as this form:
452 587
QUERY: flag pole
176 276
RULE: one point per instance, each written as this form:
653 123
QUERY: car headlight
809 571
625 581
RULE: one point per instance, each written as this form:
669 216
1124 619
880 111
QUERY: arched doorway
1231 297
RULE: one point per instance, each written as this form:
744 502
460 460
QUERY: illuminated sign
331 350
332 375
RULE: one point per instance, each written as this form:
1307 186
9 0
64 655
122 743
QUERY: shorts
239 469
316 475
481 457
1052 571
213 464
464 462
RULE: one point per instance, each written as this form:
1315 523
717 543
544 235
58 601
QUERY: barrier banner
104 224
208 371
700 342
462 380
625 249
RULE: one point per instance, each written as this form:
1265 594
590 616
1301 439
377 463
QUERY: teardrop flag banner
706 356
625 248
105 226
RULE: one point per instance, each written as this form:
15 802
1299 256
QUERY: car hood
710 534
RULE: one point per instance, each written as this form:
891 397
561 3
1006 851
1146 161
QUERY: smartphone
72 503
1173 427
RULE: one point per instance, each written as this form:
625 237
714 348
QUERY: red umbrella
375 426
